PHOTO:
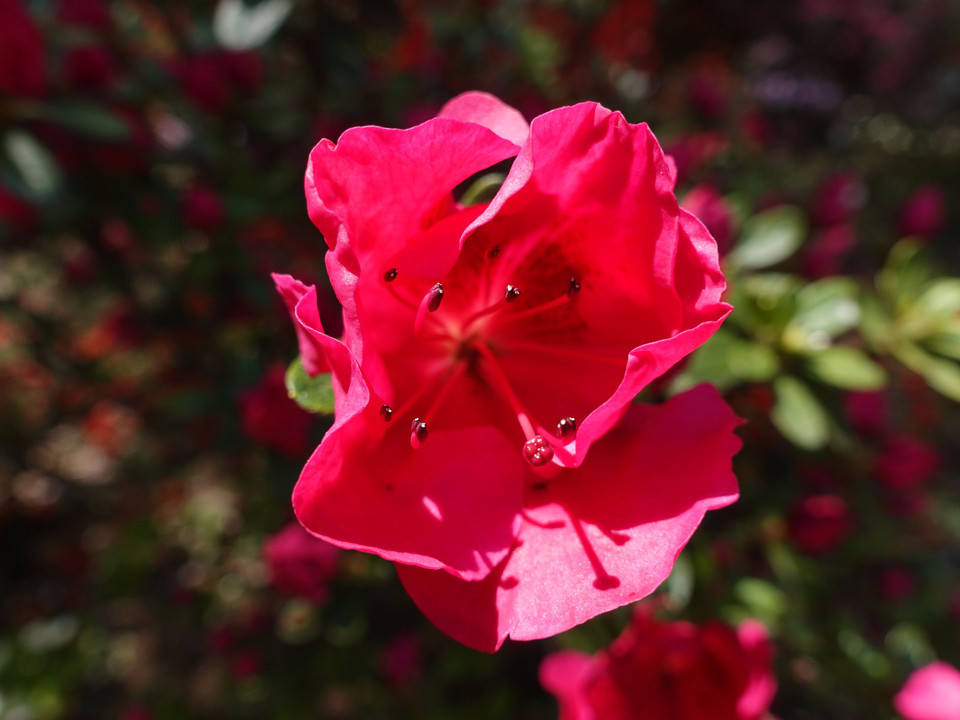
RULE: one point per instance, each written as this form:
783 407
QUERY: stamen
620 361
390 275
499 380
386 412
536 310
418 433
573 288
448 383
429 304
511 293
566 426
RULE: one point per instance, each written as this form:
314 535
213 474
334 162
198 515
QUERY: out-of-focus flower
924 212
469 331
300 564
23 67
15 214
90 14
819 523
667 671
868 411
247 664
906 462
89 67
897 584
839 197
713 210
930 693
269 417
203 208
826 251
402 659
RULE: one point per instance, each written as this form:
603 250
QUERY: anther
390 275
566 426
418 432
493 252
434 297
386 412
573 288
537 451
511 294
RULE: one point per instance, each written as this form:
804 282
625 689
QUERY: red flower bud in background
706 202
202 209
269 417
868 412
667 671
826 251
819 523
300 564
90 14
930 693
89 67
839 197
23 70
906 463
924 212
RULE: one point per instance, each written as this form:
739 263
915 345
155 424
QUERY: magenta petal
490 111
311 353
931 693
605 534
379 183
565 674
382 497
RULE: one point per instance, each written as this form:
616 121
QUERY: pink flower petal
931 693
311 353
490 111
590 541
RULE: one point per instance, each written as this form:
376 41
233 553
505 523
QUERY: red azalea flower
931 693
839 197
924 212
469 331
271 418
300 564
202 208
818 524
23 69
906 463
91 14
667 671
89 67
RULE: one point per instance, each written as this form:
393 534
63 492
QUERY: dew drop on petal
434 297
512 293
537 451
573 288
386 412
566 426
390 275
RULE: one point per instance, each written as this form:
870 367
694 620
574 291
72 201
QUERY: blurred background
151 164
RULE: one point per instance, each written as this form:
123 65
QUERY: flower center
473 336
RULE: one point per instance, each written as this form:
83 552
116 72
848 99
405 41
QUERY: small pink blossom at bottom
667 671
301 564
931 693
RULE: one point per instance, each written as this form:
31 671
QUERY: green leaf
238 26
798 414
847 368
311 393
708 364
904 273
681 582
769 238
942 375
482 189
752 361
86 119
36 167
828 306
940 298
764 599
946 343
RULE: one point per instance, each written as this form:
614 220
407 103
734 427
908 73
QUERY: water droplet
493 252
386 412
434 297
390 275
573 288
418 430
566 426
537 451
512 293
